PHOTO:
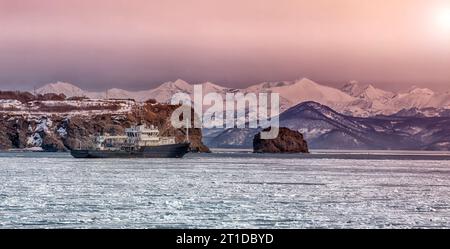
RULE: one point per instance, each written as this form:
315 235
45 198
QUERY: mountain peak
180 82
366 91
209 86
353 88
417 90
177 84
59 87
369 87
305 81
310 106
61 84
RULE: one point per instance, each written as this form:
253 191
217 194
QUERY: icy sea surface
53 190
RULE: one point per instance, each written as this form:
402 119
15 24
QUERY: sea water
54 190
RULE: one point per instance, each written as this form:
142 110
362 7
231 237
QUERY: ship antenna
187 130
141 114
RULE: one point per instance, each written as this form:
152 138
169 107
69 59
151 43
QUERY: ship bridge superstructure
134 137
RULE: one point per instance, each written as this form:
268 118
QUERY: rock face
288 141
56 131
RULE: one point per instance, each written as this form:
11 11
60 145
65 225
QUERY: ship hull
160 151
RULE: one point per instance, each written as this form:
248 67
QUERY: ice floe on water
54 190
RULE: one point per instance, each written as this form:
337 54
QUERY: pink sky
137 44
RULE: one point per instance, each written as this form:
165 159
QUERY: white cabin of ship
142 135
142 132
134 137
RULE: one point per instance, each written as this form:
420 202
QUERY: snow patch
62 132
43 125
35 140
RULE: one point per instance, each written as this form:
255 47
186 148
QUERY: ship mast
187 130
140 113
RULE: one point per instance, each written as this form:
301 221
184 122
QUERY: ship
138 141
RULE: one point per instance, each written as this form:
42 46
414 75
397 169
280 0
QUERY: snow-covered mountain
308 90
325 128
165 91
61 87
421 98
367 92
369 100
162 93
302 90
353 98
373 101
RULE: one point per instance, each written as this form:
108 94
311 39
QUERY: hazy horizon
138 45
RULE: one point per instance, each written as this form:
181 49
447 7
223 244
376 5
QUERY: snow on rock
10 103
35 140
62 132
72 107
43 125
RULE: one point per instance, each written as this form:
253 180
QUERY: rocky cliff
288 141
60 125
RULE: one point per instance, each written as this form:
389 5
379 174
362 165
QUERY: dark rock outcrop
288 141
25 97
17 95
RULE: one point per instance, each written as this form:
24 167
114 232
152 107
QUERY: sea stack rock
288 141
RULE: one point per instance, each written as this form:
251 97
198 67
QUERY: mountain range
353 98
355 116
325 128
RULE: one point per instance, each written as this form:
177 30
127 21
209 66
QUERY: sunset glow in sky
138 44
